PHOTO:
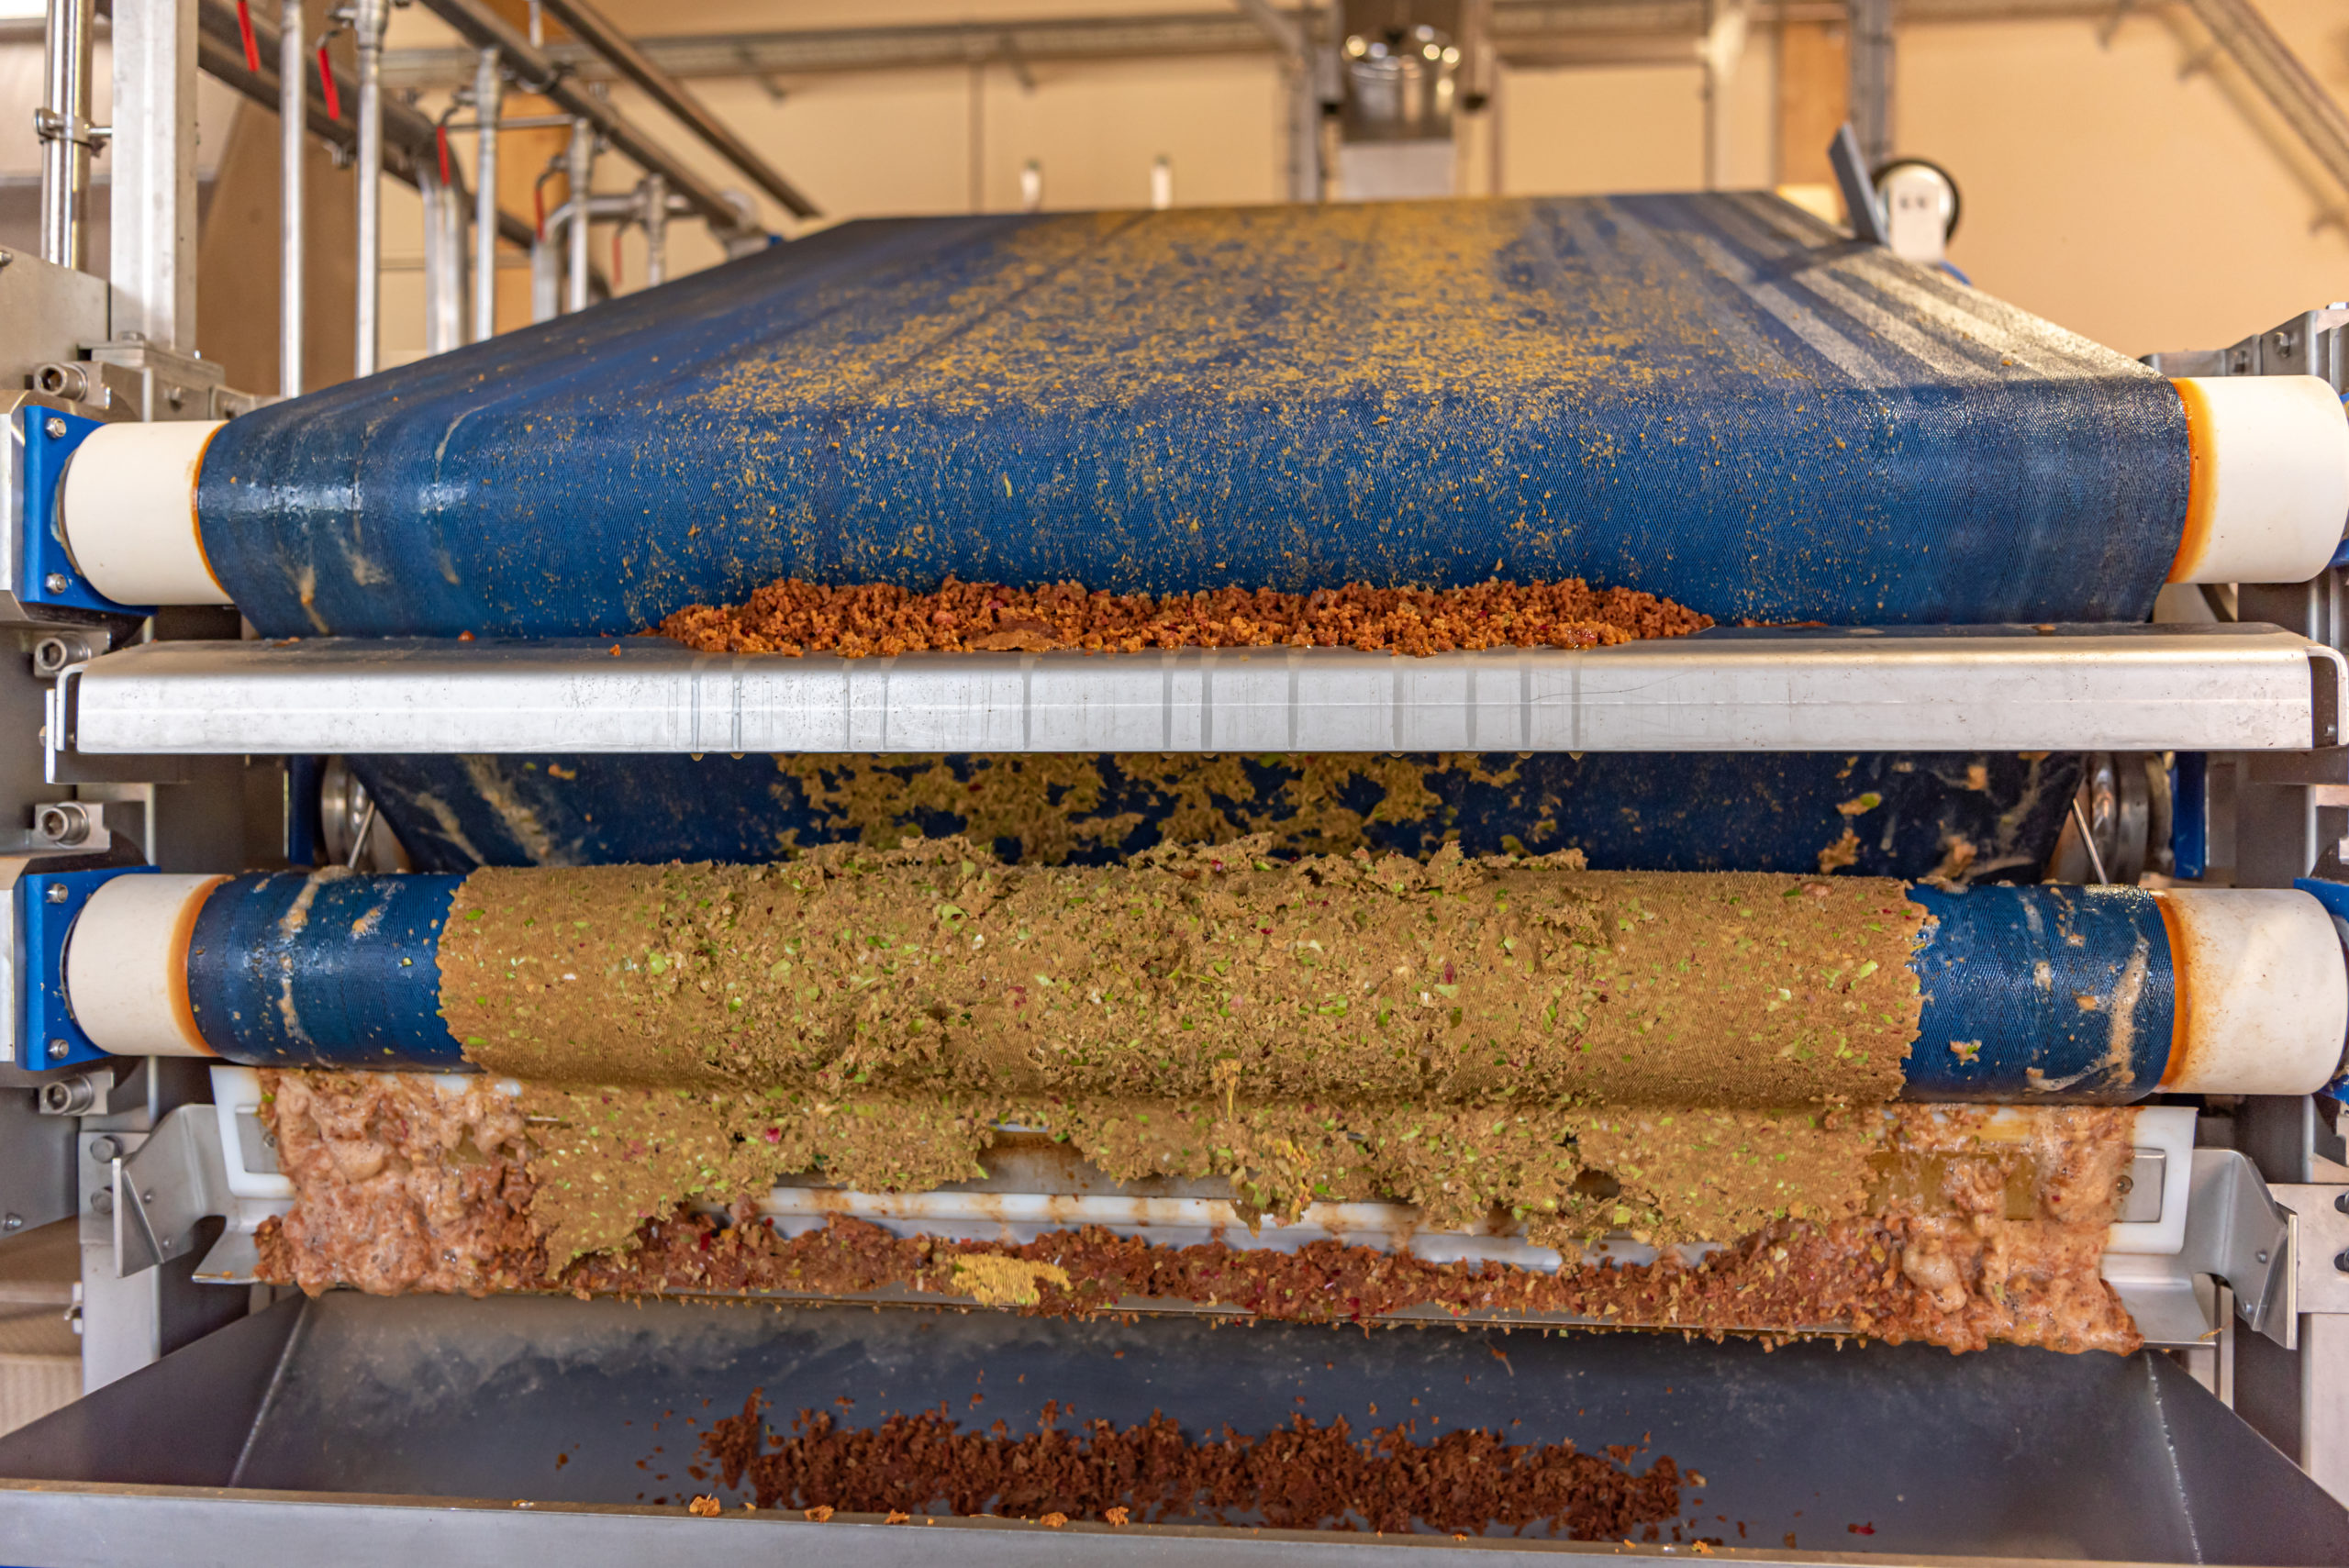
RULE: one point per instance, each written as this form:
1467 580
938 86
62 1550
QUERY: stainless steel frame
160 732
535 72
64 124
593 28
152 148
365 1431
369 18
2236 689
293 150
489 103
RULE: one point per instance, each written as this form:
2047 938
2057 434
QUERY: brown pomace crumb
860 620
1302 1476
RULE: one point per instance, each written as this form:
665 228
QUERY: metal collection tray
362 1431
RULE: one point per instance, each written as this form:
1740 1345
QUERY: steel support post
293 65
64 126
489 102
154 148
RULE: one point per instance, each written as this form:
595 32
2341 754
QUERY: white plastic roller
125 965
2262 989
2270 489
128 513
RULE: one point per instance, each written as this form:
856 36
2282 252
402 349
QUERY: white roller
2262 992
128 511
125 965
2270 491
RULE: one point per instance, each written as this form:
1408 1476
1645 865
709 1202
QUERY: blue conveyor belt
324 970
2042 994
1711 397
1981 815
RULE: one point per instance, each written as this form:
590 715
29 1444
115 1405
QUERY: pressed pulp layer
864 620
1710 398
1965 1232
608 1159
1190 975
603 1161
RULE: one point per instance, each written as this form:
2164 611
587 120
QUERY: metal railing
385 136
533 71
592 30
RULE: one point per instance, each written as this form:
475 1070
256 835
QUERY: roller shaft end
2262 992
125 965
128 513
2270 488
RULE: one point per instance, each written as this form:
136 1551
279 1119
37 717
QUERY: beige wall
1632 127
2110 192
2106 187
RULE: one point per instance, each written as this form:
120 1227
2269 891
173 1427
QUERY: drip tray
568 1427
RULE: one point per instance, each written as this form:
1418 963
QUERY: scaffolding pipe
536 73
64 126
1871 78
409 138
291 150
369 18
550 254
1721 50
489 102
654 193
444 264
593 29
580 164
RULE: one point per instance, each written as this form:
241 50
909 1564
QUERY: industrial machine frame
168 742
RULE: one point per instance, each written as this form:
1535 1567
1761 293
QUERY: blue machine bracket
2333 895
47 574
47 903
2189 834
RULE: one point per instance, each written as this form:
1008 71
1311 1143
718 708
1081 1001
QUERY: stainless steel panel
2150 688
361 1431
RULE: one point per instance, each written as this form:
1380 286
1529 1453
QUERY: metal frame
534 72
91 352
2285 818
1529 33
66 1525
468 1402
591 26
66 135
152 146
2237 689
119 724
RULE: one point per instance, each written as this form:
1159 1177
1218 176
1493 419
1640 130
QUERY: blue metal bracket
2333 895
48 1038
47 574
2190 833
